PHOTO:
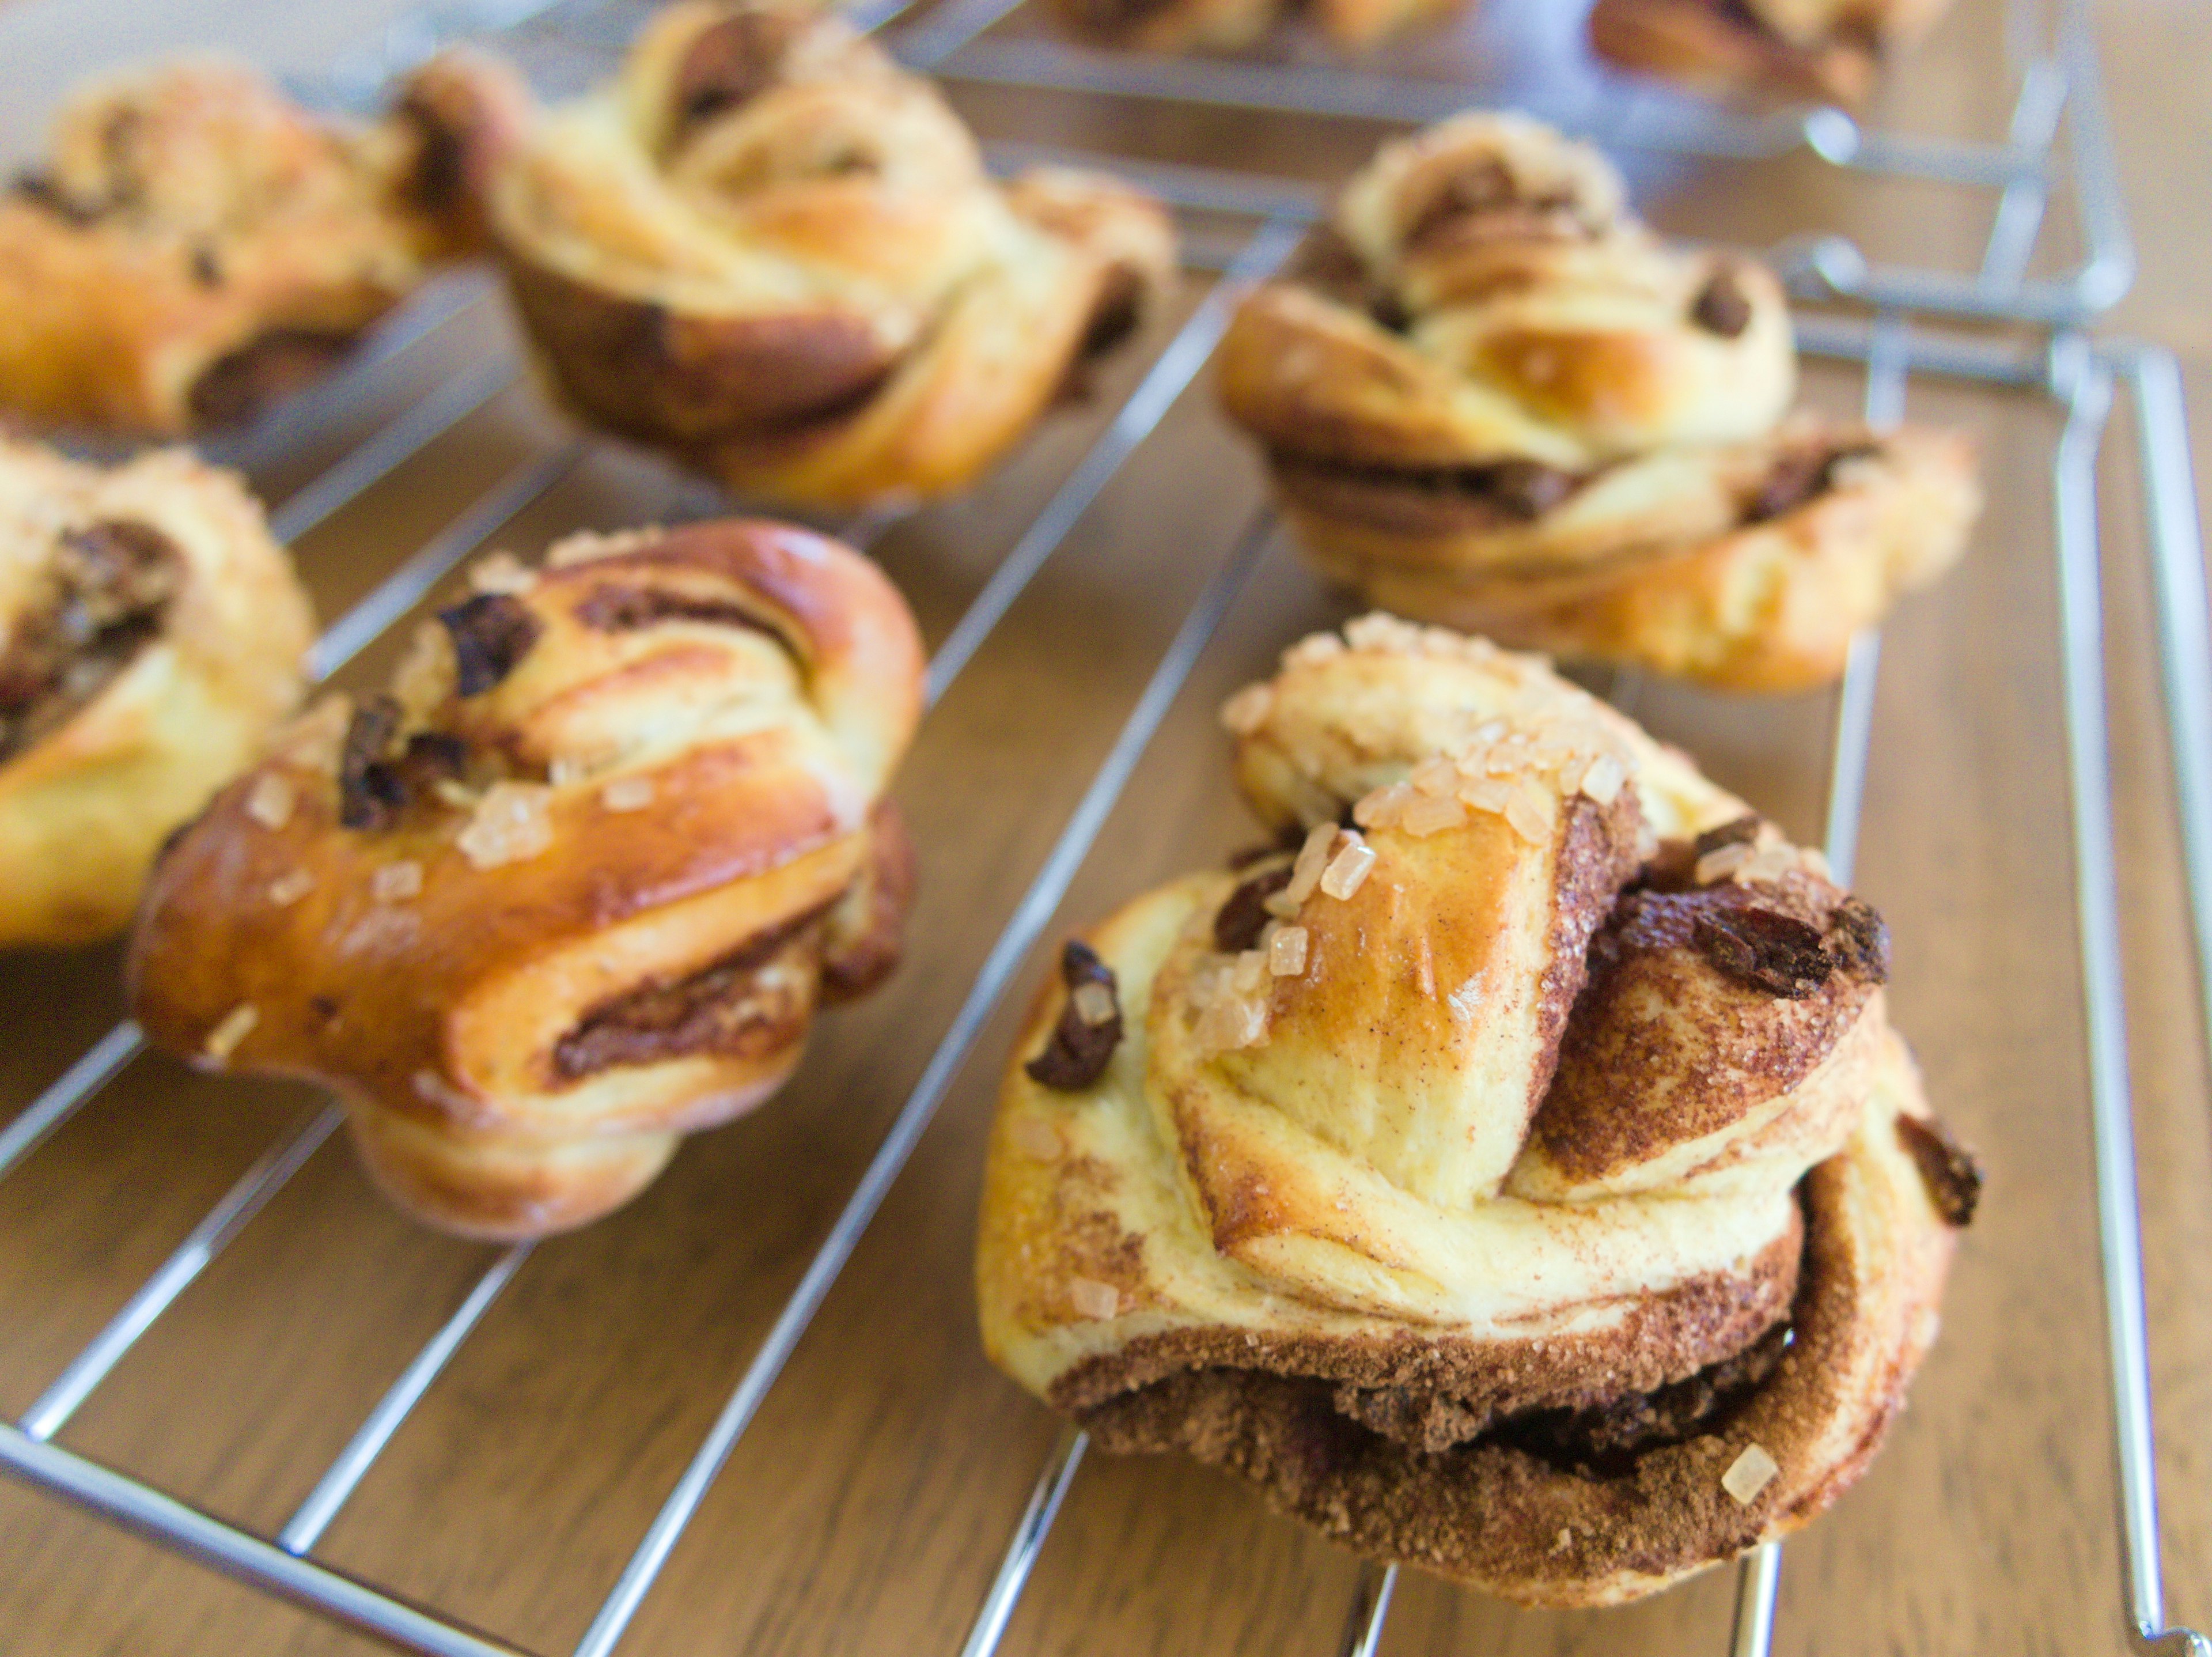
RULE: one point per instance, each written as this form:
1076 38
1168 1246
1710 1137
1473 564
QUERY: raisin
491 632
1858 938
370 792
1077 1053
1952 1174
1766 949
1239 922
1721 307
1735 832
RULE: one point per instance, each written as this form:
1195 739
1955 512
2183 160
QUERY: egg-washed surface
1825 49
1349 25
194 247
151 635
765 249
1490 398
575 884
1489 1171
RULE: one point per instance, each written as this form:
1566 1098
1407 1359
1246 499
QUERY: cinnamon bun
575 884
767 250
154 637
1515 1174
194 246
1492 400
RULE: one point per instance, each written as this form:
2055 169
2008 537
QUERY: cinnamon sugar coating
1490 398
1511 1215
572 892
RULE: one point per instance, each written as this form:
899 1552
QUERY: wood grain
865 1510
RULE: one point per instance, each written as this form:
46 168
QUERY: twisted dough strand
1492 399
768 249
1526 1153
195 246
575 887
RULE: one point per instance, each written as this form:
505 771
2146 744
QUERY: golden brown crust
574 889
1827 49
1233 25
155 699
769 251
1491 400
194 246
1523 1296
1495 1516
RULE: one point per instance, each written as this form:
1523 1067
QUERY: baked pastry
1490 398
575 887
1511 1172
151 636
769 251
1233 25
1827 49
195 246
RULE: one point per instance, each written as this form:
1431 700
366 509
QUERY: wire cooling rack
571 42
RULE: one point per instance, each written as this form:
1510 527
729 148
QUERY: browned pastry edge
1661 1338
653 374
1498 1517
1400 541
756 887
1717 43
468 111
1750 1045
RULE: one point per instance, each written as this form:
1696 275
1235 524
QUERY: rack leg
1370 1606
1052 1485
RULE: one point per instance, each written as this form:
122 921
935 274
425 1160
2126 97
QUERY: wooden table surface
865 1510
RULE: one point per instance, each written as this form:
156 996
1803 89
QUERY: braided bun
767 250
1519 1179
153 636
1492 399
196 245
574 886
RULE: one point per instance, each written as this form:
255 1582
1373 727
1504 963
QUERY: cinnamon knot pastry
195 246
769 251
151 636
1491 398
1233 25
1827 49
575 885
1513 1173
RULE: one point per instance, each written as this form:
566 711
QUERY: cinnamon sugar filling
750 1003
1495 495
1511 494
268 367
108 590
1593 1432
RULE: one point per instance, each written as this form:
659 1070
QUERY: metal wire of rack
2080 376
2058 89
